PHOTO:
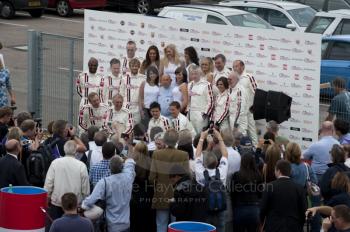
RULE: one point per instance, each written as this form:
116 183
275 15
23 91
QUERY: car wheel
37 13
63 8
7 10
144 7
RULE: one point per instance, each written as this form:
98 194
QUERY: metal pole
71 81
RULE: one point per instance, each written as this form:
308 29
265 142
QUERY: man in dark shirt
340 105
6 114
71 221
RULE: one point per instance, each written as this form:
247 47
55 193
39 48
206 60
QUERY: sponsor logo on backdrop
308 87
284 85
285 66
102 36
308 78
283 127
121 31
216 33
307 113
131 24
273 75
294 137
297 50
310 69
284 40
296 76
142 25
194 39
296 86
205 33
162 36
140 33
251 37
306 130
296 95
307 139
227 52
296 103
269 82
227 43
90 35
183 38
272 48
296 68
91 51
297 59
184 30
205 41
238 36
237 53
111 54
194 31
132 32
285 49
261 82
122 23
92 19
309 51
306 95
297 41
92 27
260 55
307 122
248 45
261 65
261 38
307 60
295 128
151 26
250 55
248 62
205 49
216 50
271 65
286 58
262 47
273 57
282 75
171 28
308 42
216 42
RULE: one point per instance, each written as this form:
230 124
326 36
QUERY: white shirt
347 162
181 122
96 155
199 170
67 174
150 94
234 161
92 145
111 87
223 73
162 122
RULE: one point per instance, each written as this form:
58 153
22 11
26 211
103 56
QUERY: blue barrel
188 226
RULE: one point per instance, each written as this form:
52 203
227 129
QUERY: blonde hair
15 133
210 61
293 153
176 55
143 160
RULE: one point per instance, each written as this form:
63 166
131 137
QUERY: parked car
336 22
286 15
214 14
65 8
325 5
35 8
335 60
145 6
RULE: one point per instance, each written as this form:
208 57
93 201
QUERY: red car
65 8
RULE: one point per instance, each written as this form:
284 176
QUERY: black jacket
283 205
190 201
326 191
12 172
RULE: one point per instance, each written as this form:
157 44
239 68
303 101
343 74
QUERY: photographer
30 139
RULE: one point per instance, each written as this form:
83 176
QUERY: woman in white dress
149 91
170 63
180 91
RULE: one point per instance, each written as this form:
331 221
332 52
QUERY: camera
267 141
124 135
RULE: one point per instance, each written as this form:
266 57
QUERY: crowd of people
174 139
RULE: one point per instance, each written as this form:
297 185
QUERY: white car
335 22
287 15
215 15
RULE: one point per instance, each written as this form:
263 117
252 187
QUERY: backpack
39 162
215 192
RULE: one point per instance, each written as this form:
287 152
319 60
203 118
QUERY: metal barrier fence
54 63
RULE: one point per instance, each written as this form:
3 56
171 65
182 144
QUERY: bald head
327 128
233 79
93 64
12 146
166 80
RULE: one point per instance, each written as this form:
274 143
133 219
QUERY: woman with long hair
221 105
273 154
191 58
170 62
207 67
152 59
180 91
246 188
149 91
141 214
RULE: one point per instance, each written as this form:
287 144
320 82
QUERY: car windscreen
319 24
248 20
303 16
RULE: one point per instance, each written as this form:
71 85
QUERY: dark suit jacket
283 206
11 172
162 161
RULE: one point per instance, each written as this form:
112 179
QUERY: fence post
34 73
71 81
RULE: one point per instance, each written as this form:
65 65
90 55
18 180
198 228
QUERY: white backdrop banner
288 61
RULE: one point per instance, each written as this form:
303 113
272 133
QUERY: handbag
312 188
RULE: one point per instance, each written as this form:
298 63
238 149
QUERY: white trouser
225 124
252 129
197 121
135 115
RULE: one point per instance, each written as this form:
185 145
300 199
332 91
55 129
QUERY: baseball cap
246 141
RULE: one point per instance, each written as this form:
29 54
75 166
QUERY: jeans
54 212
162 219
217 220
246 218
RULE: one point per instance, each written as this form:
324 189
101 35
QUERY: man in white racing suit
179 121
157 119
112 82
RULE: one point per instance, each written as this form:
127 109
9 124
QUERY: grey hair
210 160
195 68
273 126
159 135
171 137
70 148
116 164
185 137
